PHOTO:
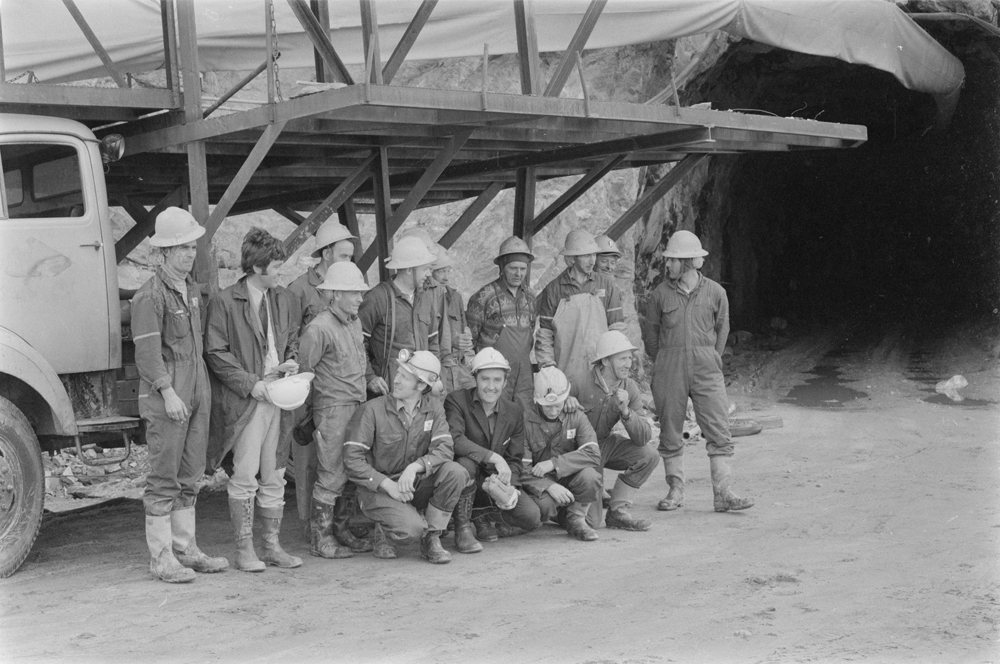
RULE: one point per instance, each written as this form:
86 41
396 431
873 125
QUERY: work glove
504 495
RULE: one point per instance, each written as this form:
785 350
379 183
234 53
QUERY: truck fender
20 360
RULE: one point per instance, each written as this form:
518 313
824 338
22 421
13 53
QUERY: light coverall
506 322
166 331
571 317
686 334
389 329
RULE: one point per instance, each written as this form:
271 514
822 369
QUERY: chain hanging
277 53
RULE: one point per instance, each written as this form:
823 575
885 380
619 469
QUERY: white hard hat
175 226
443 259
343 276
579 243
607 246
422 364
513 245
409 252
489 358
551 386
290 392
684 244
611 343
331 232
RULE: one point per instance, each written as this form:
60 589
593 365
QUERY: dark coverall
455 371
389 329
686 334
167 334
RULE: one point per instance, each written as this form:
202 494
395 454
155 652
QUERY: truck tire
22 488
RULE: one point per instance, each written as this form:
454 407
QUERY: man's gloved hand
504 495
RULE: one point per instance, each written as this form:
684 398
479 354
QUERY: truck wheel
22 488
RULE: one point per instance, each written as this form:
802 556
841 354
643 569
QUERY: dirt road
875 538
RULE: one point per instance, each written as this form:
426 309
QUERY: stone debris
950 387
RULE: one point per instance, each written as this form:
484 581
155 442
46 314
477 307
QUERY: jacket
470 430
569 441
598 401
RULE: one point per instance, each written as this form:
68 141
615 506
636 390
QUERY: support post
321 10
348 217
654 194
527 47
171 66
383 209
320 40
369 33
524 203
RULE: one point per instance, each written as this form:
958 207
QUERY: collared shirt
599 402
271 359
494 307
565 286
678 320
333 348
166 329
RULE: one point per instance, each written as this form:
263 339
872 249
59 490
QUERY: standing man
332 347
575 309
250 340
503 315
488 431
565 477
175 400
687 321
609 396
608 256
455 338
400 454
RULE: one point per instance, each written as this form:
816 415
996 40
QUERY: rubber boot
722 478
381 545
618 517
576 522
485 530
674 470
162 564
271 551
186 549
342 511
321 540
465 536
241 514
430 542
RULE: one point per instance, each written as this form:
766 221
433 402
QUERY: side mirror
112 148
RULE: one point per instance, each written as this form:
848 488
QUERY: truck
62 378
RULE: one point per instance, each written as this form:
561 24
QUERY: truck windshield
42 180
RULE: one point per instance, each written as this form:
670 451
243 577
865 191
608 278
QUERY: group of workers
423 415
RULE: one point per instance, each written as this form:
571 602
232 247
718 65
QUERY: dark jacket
470 431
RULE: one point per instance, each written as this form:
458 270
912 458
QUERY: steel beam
369 35
321 10
578 188
527 47
470 214
653 194
320 40
348 217
576 44
114 99
383 209
170 64
524 203
406 42
145 224
95 43
289 214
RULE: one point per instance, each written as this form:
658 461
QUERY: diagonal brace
406 41
654 194
95 43
576 44
320 40
470 214
580 187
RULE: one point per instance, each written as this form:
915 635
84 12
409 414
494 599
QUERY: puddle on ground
943 400
921 369
826 390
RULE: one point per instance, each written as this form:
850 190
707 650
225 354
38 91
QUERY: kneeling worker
488 431
400 454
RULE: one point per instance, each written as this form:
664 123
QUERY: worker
575 309
609 396
332 347
608 255
393 316
687 322
503 313
175 399
488 431
400 454
565 475
249 342
455 337
334 244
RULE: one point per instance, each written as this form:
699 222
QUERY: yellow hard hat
175 226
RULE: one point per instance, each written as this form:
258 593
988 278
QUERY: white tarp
40 35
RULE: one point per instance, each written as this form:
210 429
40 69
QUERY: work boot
321 540
485 530
241 514
431 549
576 522
162 564
465 536
186 548
722 477
381 545
271 551
622 496
674 470
342 511
505 530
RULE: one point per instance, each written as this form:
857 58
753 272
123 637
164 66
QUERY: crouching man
399 453
565 477
488 431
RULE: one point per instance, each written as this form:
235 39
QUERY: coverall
382 442
571 317
389 329
455 372
506 322
167 333
686 334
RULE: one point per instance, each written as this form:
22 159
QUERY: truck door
53 262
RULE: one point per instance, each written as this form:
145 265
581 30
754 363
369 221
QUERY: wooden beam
146 222
383 208
653 194
578 188
576 44
320 40
527 47
348 217
470 214
369 35
95 44
406 42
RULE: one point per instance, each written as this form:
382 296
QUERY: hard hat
611 343
331 232
175 226
579 243
443 259
424 236
409 252
422 364
684 244
343 276
290 392
607 246
513 245
551 386
489 358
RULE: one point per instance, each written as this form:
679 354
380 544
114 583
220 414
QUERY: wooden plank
470 214
145 222
653 194
576 44
527 47
95 43
406 42
369 34
383 208
574 192
320 40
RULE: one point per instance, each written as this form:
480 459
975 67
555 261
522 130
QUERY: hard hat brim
685 254
317 253
623 350
191 236
357 288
